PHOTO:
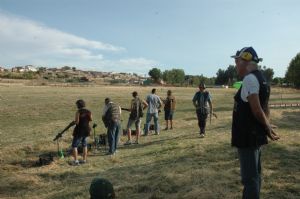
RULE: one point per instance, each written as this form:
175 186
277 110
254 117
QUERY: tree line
227 76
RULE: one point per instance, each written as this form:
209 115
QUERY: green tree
66 68
293 72
221 77
155 74
188 79
174 76
194 80
231 75
278 80
268 73
178 76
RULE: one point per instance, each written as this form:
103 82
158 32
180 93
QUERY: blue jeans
76 141
148 120
113 132
250 164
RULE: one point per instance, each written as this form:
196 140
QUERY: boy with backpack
136 112
201 100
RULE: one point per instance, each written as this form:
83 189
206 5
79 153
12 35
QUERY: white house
30 68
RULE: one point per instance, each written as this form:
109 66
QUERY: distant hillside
67 74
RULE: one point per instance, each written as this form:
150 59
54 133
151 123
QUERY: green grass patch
175 164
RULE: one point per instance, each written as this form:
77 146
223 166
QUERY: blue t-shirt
154 103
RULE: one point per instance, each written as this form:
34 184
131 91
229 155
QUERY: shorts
136 122
169 115
76 141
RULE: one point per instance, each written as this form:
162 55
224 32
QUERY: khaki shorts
136 122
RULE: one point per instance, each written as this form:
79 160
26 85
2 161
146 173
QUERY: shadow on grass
180 176
223 108
283 162
190 118
185 172
289 120
160 141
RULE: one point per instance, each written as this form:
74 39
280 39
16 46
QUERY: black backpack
137 110
203 109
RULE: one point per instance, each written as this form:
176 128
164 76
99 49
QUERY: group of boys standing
250 126
153 102
111 117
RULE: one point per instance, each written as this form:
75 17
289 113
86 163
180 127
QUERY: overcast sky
136 35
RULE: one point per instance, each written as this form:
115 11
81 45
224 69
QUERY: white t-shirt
250 86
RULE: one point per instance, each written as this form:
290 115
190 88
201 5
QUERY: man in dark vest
111 116
201 101
250 125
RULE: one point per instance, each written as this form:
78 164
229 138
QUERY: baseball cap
248 54
101 189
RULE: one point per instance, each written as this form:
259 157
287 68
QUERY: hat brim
258 60
234 56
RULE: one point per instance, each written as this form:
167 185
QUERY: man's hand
271 134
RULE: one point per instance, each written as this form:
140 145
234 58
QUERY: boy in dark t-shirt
81 131
201 100
169 108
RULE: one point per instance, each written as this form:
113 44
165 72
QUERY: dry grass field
174 164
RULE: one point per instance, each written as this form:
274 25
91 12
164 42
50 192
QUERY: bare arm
145 104
131 106
91 117
160 102
210 106
259 114
174 103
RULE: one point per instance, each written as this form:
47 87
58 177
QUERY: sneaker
127 143
82 161
75 163
156 133
108 153
202 135
136 142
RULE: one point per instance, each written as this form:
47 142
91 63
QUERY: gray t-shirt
154 103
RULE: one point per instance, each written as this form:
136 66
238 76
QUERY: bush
14 75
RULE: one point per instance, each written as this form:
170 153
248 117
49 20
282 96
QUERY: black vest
247 131
202 99
83 128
